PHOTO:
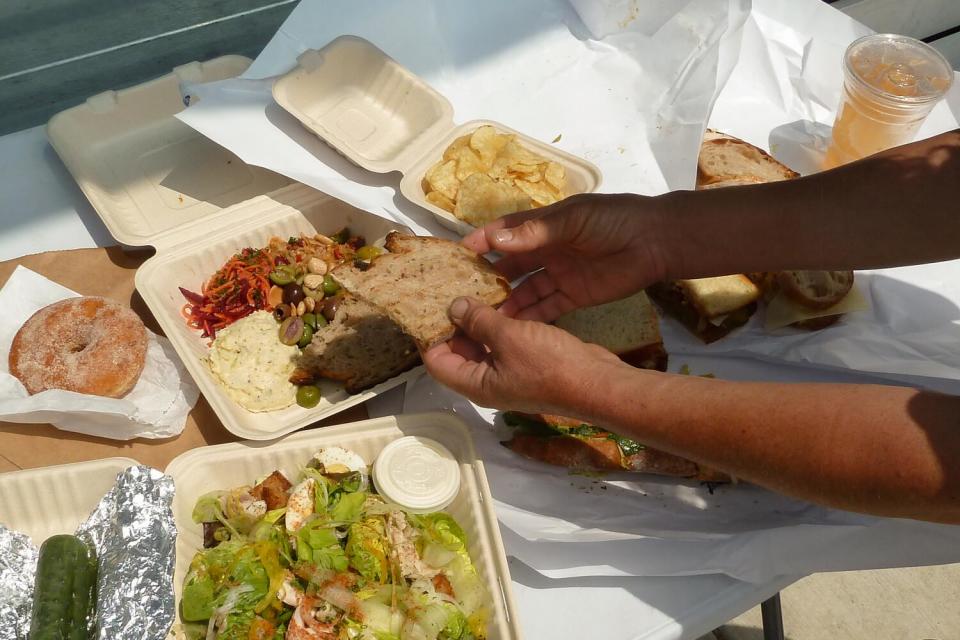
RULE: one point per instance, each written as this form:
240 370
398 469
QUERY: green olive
291 330
310 319
308 396
368 252
306 337
321 322
330 286
282 276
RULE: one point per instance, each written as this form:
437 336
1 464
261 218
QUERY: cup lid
898 67
417 473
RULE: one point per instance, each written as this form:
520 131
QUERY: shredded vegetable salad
328 559
243 284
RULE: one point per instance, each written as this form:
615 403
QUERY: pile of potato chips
486 175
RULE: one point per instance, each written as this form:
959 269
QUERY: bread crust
716 143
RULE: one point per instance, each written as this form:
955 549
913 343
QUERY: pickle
64 591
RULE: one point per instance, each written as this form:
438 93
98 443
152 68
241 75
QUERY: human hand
585 250
519 365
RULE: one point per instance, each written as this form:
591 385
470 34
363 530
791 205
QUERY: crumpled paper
565 525
157 407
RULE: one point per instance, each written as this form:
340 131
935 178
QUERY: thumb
479 321
551 225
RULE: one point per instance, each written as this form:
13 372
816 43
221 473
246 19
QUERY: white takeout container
383 118
155 181
231 465
144 171
51 500
188 257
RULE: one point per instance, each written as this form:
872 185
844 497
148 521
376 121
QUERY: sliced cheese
782 311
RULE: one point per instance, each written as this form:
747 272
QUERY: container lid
899 68
417 473
145 172
364 104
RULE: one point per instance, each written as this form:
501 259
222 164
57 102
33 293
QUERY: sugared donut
88 345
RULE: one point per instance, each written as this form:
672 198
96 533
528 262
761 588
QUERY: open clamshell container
155 181
384 118
226 466
68 493
53 500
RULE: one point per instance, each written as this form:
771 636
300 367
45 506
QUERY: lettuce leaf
367 549
317 543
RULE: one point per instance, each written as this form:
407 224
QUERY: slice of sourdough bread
415 283
724 158
361 347
628 327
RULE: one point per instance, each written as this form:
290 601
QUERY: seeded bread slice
361 347
415 283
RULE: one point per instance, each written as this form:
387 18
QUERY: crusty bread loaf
628 327
415 283
816 289
362 347
725 159
720 295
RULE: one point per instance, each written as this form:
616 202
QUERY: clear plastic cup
890 84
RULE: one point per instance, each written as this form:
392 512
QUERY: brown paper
109 273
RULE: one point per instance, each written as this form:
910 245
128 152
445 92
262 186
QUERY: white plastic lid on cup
419 474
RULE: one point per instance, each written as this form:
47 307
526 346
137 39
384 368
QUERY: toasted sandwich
628 327
709 307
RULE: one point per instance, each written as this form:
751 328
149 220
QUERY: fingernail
459 308
504 235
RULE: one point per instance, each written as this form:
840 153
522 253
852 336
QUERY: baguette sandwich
709 307
573 444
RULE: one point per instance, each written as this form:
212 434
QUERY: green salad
327 558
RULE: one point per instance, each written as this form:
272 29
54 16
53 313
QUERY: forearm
895 208
883 450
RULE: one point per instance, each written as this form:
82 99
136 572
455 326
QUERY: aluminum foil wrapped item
18 564
133 532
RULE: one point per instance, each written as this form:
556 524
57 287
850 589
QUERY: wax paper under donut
157 407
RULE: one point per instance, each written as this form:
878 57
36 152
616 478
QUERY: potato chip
468 163
486 175
525 169
539 192
462 141
481 200
443 178
520 154
556 177
488 143
440 200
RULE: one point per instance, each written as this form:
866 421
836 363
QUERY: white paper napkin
157 407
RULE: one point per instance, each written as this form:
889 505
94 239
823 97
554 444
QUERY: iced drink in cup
890 84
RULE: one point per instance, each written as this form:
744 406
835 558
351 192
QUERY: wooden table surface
108 272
